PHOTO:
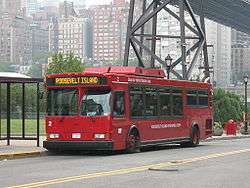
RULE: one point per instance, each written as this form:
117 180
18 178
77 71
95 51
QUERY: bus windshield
62 102
96 103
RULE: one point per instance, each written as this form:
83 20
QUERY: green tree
4 67
227 106
62 63
16 100
35 71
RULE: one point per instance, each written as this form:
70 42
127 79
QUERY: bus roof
136 71
129 71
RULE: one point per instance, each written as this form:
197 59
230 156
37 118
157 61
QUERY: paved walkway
21 149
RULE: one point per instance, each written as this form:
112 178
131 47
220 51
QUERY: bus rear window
62 102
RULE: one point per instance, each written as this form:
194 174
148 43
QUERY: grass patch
16 126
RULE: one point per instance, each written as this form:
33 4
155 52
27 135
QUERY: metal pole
0 110
205 52
38 114
8 114
154 30
142 28
246 110
129 27
168 71
23 110
183 41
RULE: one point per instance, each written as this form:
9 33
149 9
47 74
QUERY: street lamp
246 81
168 61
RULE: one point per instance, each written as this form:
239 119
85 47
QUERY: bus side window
119 103
177 105
165 105
136 105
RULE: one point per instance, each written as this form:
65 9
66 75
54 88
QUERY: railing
8 135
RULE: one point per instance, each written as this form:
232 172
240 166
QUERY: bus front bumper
77 145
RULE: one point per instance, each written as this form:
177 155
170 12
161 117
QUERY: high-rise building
219 37
56 2
75 35
44 15
240 55
12 7
169 25
15 40
110 27
40 42
240 63
32 6
240 39
53 35
66 9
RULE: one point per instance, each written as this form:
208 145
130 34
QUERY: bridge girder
149 13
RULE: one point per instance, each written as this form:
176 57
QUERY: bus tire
195 138
133 142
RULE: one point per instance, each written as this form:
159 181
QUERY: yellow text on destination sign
77 80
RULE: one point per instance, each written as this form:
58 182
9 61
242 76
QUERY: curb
226 138
19 155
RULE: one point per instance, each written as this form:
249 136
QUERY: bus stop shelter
23 82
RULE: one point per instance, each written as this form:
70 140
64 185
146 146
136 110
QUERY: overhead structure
136 36
232 13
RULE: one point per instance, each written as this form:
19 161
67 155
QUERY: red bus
125 108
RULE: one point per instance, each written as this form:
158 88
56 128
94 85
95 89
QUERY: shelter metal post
0 111
38 113
8 114
23 110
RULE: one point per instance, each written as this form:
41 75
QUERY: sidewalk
22 149
227 137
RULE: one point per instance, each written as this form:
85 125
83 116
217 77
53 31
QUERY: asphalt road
222 164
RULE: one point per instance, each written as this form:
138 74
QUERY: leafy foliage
227 106
62 63
16 100
4 67
35 71
217 125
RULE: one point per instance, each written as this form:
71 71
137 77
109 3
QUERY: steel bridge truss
136 36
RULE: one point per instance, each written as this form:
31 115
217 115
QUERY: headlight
76 135
53 135
99 135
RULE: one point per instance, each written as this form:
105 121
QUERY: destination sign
79 80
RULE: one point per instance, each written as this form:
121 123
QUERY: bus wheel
133 142
195 138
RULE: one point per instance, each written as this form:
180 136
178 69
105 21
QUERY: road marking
128 170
